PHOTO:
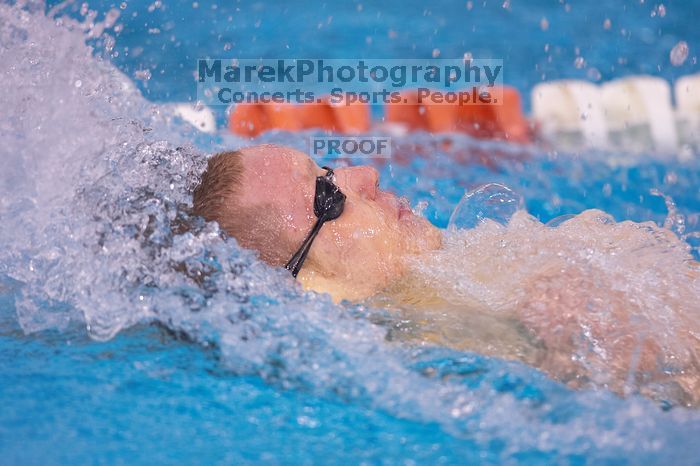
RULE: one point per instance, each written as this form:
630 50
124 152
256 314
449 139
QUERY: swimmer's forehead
276 170
278 159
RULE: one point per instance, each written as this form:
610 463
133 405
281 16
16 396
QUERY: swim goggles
329 202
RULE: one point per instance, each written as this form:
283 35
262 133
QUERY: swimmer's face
353 256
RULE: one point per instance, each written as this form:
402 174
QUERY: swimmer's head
263 196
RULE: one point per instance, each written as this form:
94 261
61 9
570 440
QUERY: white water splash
606 304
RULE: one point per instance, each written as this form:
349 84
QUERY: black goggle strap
297 260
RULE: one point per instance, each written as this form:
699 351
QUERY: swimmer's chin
357 291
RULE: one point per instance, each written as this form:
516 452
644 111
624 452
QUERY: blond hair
214 198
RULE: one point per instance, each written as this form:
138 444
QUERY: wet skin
354 256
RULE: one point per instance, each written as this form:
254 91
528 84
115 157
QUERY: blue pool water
125 340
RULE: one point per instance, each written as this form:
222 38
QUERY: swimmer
591 302
264 196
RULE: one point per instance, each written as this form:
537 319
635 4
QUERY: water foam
602 303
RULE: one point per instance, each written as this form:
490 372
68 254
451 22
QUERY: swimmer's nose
362 180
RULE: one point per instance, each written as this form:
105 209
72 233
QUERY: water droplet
109 43
607 24
593 74
143 75
580 62
659 10
436 53
675 221
679 53
544 24
78 84
671 178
